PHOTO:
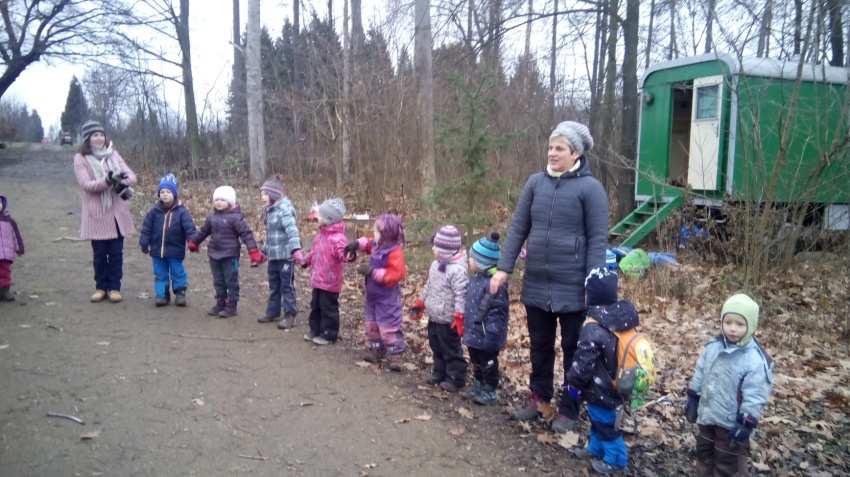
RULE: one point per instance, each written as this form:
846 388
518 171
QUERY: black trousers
449 363
225 272
324 314
542 326
108 261
485 366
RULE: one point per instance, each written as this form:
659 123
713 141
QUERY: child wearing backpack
730 387
442 300
165 230
610 357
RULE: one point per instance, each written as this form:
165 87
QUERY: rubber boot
180 297
393 363
216 309
6 295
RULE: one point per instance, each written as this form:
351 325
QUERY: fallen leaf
362 364
103 343
403 420
457 431
409 366
568 440
305 404
89 435
547 411
546 438
465 413
4 346
371 465
198 402
26 326
423 417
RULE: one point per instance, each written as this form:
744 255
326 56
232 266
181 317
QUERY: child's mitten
146 250
298 257
192 246
257 257
692 406
744 427
574 393
457 323
417 310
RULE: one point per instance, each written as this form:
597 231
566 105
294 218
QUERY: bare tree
673 50
649 32
798 25
296 15
629 124
344 169
709 18
425 94
553 60
765 29
836 34
37 29
256 134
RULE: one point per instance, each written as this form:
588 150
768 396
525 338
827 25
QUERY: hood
583 170
745 306
329 229
619 316
3 205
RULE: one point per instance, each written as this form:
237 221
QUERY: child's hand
257 257
457 323
364 269
417 310
192 246
146 250
298 257
741 432
574 393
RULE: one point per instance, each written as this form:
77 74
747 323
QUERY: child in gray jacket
730 387
443 301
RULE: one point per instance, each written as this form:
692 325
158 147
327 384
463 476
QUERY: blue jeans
108 261
167 270
606 442
282 289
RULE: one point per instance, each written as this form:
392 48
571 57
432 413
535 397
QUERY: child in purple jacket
11 245
226 225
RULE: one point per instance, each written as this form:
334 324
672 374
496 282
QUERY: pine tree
76 110
35 130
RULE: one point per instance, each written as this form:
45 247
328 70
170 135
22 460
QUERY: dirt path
173 392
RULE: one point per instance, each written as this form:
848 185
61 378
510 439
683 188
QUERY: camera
124 191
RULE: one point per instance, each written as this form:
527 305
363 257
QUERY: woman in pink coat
105 217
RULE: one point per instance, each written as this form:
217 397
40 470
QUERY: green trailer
717 128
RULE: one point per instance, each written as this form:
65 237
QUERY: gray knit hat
576 134
89 128
331 210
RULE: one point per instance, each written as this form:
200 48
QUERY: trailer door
704 150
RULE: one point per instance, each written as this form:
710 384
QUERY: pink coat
96 223
327 258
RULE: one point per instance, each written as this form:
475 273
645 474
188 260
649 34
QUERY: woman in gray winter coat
562 218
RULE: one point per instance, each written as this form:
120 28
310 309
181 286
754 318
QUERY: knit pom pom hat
225 193
485 251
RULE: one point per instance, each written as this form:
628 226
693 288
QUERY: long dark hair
85 147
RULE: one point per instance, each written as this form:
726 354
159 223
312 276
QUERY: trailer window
707 102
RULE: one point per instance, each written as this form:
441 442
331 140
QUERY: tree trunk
764 31
527 49
14 69
344 169
296 16
628 140
709 37
358 36
798 25
610 86
598 74
192 133
238 106
331 13
673 50
814 48
425 94
256 132
553 60
836 34
470 9
649 32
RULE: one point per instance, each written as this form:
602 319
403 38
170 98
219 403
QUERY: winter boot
562 424
267 319
601 467
6 295
434 380
393 363
486 396
374 355
229 309
449 387
219 305
530 411
180 297
287 322
321 341
472 391
163 300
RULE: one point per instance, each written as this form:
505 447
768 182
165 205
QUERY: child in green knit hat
730 387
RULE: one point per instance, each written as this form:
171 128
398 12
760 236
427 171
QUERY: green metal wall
656 119
814 166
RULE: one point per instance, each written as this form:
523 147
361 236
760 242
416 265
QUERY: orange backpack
635 366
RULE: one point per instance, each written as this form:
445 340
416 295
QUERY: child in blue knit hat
166 228
485 321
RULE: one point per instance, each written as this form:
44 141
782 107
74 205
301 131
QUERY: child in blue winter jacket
166 228
485 317
443 301
283 250
730 387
